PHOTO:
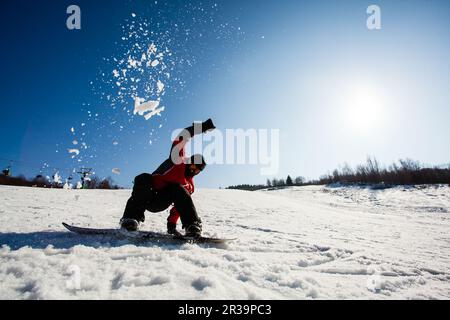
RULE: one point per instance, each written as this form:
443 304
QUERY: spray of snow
160 86
147 109
74 151
153 61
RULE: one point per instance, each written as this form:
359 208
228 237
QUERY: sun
364 108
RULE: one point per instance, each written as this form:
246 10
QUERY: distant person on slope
171 183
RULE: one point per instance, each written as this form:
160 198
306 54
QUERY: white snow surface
297 243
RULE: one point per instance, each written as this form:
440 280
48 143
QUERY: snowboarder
171 183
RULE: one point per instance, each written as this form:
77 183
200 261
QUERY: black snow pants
145 197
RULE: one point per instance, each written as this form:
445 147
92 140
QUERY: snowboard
143 235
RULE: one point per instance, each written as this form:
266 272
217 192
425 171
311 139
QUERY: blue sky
336 90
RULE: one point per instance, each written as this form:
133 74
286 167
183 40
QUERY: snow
57 178
74 151
296 243
147 109
67 185
160 86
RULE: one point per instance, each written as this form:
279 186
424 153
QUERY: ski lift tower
84 172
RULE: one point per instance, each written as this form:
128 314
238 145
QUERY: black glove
208 125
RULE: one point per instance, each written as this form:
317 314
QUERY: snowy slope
297 243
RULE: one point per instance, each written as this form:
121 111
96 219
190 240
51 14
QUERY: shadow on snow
66 240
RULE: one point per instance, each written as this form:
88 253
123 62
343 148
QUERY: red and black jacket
169 172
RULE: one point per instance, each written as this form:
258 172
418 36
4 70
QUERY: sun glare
364 108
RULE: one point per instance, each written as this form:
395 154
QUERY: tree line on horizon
405 172
40 181
272 183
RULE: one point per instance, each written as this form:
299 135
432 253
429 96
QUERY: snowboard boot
194 230
129 225
172 229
